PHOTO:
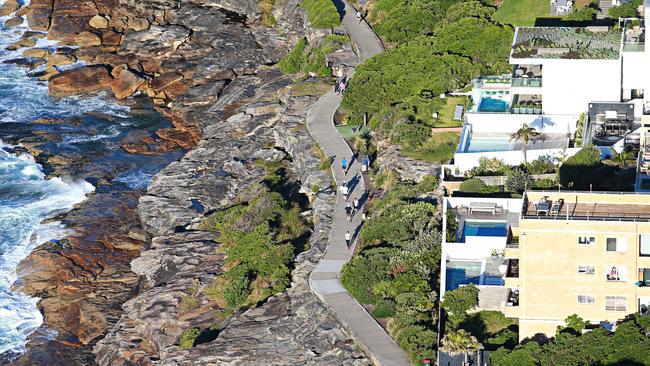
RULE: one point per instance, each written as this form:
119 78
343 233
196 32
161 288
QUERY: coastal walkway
324 280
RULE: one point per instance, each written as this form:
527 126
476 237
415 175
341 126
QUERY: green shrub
312 59
457 302
321 13
506 338
187 338
293 61
384 309
582 169
418 342
545 183
627 10
542 165
452 227
475 185
489 167
365 270
398 223
518 181
584 14
238 288
410 135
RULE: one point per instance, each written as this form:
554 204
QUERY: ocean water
28 197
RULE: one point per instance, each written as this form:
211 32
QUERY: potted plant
516 109
530 109
495 253
538 109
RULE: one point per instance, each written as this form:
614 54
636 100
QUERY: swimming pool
462 273
485 228
486 144
489 104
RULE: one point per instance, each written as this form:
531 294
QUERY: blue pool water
489 104
462 273
486 144
485 228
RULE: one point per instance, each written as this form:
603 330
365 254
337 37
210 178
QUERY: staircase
492 297
604 6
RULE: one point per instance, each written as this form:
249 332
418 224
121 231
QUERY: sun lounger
489 207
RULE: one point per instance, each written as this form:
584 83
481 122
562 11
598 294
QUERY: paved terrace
324 280
602 211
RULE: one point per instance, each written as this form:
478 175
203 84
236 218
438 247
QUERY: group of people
351 208
340 85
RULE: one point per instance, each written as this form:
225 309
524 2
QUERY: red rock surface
80 80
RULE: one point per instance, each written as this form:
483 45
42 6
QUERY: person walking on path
359 18
355 205
343 188
344 166
348 237
348 211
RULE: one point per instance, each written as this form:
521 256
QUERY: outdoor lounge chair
489 207
557 206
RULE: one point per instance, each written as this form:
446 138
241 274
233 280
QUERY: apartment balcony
643 278
513 268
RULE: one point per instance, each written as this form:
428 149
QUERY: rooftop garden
567 43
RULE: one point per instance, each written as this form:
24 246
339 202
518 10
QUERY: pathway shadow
352 184
340 7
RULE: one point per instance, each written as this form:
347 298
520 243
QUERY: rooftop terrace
566 43
605 206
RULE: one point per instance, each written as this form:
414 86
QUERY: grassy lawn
522 12
446 114
303 88
348 131
440 148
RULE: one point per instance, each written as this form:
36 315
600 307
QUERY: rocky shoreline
206 69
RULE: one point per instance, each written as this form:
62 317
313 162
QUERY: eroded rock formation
206 66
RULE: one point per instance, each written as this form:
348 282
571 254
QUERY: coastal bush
410 135
457 302
292 62
259 241
384 309
584 14
321 13
398 223
542 165
489 167
518 181
583 169
306 59
187 338
397 267
628 345
473 185
627 10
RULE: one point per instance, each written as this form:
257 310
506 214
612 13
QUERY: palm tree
524 134
460 341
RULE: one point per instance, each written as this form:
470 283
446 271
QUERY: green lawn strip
349 131
440 148
446 113
522 12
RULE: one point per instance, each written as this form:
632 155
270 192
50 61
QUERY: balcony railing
527 82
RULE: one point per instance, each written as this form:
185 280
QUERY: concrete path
324 280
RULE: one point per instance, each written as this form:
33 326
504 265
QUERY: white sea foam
26 198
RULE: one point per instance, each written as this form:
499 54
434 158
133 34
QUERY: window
586 299
586 240
611 244
584 269
616 273
616 303
615 245
644 245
